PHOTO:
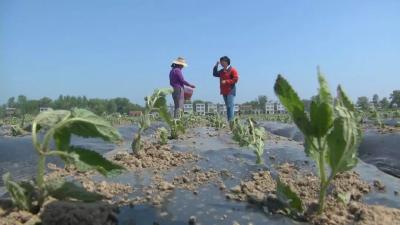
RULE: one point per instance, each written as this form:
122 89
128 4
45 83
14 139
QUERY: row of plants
376 116
282 118
17 121
331 129
117 119
192 120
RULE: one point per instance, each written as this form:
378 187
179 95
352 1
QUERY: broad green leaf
321 114
324 92
161 102
86 160
344 101
343 142
165 91
164 114
93 160
63 190
62 138
49 119
321 110
292 103
157 99
288 197
19 195
87 124
260 132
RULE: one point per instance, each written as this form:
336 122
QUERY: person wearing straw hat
228 77
178 83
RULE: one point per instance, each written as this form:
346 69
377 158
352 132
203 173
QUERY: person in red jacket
228 77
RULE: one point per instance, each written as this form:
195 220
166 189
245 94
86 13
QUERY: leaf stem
34 138
323 184
41 168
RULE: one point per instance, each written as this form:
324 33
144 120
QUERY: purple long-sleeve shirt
176 78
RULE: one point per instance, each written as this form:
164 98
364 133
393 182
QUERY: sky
107 49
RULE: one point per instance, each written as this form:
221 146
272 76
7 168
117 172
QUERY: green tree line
23 105
385 103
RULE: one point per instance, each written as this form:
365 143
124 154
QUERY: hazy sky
124 48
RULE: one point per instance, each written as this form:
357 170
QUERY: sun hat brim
180 63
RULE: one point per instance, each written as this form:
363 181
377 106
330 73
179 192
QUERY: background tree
45 102
384 103
22 108
262 101
363 103
11 102
375 100
2 111
111 107
395 98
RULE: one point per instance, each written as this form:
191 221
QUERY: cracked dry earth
154 156
191 180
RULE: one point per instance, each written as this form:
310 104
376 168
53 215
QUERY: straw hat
180 61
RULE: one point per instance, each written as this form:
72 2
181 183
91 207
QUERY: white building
221 108
245 109
257 111
188 108
211 108
270 107
279 108
236 108
200 108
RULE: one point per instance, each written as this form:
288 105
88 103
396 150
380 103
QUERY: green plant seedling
250 136
331 131
60 125
377 116
163 135
291 201
217 121
157 101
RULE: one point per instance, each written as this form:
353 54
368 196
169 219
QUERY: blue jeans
229 102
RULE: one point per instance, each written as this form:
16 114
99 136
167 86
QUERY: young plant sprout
176 126
60 125
163 135
250 136
332 134
217 121
157 101
377 116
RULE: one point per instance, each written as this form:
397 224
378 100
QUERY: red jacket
230 76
